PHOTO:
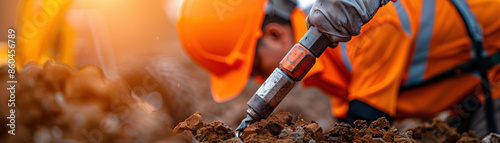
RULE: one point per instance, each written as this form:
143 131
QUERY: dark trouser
478 120
473 117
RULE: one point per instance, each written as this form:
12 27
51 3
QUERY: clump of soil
194 129
439 131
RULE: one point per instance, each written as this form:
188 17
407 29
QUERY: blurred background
62 46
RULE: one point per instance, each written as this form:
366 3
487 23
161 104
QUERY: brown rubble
439 131
282 128
211 131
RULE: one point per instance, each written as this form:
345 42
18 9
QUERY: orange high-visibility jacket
408 42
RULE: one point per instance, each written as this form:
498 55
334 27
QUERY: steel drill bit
244 124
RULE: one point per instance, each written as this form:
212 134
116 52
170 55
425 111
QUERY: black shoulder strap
483 64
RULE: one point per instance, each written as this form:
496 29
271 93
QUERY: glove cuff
383 2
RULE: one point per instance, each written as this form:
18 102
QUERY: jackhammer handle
302 57
315 41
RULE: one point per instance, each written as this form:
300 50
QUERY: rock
315 131
491 138
193 123
437 131
214 132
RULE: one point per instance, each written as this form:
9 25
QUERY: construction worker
53 30
401 65
44 33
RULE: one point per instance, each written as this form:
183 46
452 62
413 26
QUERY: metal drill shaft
292 68
267 97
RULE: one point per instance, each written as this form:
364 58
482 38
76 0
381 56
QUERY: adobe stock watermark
221 7
464 110
11 81
30 27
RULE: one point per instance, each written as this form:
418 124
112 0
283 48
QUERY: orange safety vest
407 43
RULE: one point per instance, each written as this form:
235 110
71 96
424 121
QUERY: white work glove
339 20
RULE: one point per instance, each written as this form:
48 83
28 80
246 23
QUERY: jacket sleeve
379 58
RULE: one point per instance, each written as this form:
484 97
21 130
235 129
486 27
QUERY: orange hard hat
221 36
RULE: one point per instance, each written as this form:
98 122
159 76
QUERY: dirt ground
283 127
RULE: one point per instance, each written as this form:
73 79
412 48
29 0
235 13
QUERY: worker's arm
379 55
339 20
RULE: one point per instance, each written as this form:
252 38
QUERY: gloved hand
339 20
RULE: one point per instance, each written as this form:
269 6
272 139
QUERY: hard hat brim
228 86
